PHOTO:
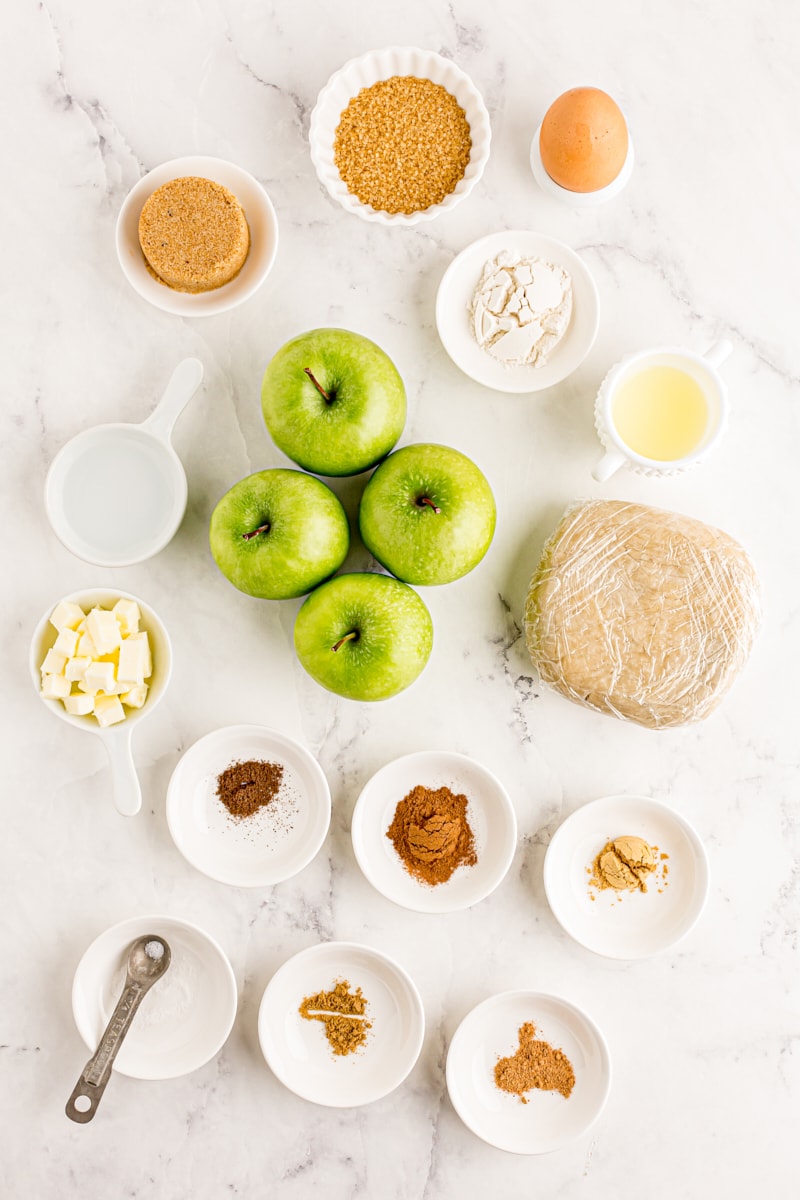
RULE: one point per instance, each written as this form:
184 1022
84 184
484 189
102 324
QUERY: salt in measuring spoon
148 959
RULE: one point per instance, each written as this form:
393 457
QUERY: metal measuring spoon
148 959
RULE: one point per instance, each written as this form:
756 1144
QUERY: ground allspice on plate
246 787
402 144
536 1064
343 1013
432 835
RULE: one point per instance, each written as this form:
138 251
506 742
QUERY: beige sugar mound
643 614
193 234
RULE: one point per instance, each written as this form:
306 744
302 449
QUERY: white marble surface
705 1040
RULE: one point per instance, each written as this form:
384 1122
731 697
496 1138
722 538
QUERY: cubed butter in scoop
79 705
55 687
66 615
103 628
127 614
108 710
98 677
136 697
135 664
76 668
54 663
67 642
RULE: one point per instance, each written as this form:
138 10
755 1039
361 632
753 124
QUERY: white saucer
453 322
297 1050
548 1120
272 844
490 814
261 220
628 924
186 1018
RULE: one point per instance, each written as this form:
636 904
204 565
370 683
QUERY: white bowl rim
350 202
174 802
357 819
218 300
692 836
534 995
394 965
154 920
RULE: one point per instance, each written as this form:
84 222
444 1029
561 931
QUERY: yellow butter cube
55 687
127 614
108 710
66 615
102 627
76 668
54 663
136 697
78 705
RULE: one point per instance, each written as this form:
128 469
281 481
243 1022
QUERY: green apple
278 534
333 402
427 514
363 636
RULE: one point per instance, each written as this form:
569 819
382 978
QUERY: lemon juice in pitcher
661 413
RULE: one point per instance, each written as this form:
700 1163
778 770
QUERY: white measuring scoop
116 494
116 738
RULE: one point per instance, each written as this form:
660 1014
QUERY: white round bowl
490 813
371 68
256 851
127 793
549 1120
455 294
297 1049
626 924
261 220
579 199
186 1018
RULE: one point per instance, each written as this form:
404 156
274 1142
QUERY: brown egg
583 140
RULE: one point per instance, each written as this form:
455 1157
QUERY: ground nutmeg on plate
246 787
432 835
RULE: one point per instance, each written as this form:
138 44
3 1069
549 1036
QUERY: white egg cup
127 445
579 199
127 792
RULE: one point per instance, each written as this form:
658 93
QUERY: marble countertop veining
705 1039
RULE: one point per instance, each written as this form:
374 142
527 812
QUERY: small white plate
548 1120
579 199
271 845
261 220
455 294
490 814
626 924
186 1018
369 69
297 1049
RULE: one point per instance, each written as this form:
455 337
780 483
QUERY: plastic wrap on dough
643 614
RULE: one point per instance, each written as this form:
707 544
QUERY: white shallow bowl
579 199
640 923
297 1049
186 1018
490 813
263 237
455 294
262 849
548 1120
372 68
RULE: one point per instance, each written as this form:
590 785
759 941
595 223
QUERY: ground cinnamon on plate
342 1012
246 787
432 835
536 1064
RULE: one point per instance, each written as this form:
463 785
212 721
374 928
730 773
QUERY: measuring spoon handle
183 383
97 1072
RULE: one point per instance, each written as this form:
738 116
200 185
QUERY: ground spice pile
624 864
402 144
536 1064
342 1012
246 787
432 835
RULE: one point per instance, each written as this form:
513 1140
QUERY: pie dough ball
642 614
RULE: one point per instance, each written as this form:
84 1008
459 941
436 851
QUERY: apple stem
265 528
352 636
318 386
426 500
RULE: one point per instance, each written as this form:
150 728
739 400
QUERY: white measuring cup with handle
702 368
117 739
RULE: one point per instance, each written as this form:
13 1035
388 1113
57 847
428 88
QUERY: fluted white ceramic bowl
372 68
